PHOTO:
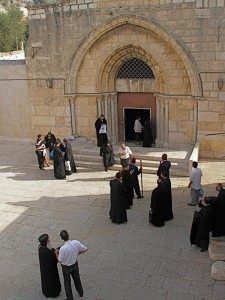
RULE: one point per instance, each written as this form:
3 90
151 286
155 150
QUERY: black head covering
43 239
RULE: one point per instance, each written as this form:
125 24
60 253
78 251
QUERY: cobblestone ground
129 261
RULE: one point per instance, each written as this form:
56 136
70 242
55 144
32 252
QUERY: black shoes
203 249
140 197
191 204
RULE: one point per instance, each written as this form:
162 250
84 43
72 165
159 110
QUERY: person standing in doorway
195 184
101 130
67 256
147 139
137 129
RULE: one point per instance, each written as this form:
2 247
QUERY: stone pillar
73 115
157 122
166 124
113 119
99 108
115 101
195 125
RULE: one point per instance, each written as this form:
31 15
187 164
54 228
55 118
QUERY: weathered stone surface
217 250
218 270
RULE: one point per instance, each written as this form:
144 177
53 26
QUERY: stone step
217 250
218 270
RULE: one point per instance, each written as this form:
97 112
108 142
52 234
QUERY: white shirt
137 126
196 176
69 252
125 153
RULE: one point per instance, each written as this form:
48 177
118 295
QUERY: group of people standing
67 255
60 152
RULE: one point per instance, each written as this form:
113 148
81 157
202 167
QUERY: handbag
51 153
150 215
103 128
67 165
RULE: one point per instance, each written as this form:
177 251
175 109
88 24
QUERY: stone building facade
78 50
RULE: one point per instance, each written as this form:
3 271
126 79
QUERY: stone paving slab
125 262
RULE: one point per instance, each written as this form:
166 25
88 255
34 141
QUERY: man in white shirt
67 256
195 184
124 152
137 129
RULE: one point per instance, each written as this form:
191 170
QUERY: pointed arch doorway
130 105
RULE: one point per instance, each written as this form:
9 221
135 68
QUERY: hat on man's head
43 238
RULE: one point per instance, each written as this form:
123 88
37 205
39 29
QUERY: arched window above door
134 68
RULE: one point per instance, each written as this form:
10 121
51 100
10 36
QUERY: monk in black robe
127 182
101 130
117 213
69 155
59 164
147 138
166 187
209 218
164 165
107 154
50 282
158 200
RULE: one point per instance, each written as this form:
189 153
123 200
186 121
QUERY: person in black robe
166 187
101 130
107 154
127 182
134 177
50 282
209 218
218 225
118 202
50 142
147 134
69 156
158 200
59 164
164 165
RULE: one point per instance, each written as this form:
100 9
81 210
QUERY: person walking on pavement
195 184
67 256
137 129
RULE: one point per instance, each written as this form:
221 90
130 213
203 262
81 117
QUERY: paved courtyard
129 261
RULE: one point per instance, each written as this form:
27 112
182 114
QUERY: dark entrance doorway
129 106
130 117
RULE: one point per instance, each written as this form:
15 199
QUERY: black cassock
127 182
118 205
50 282
59 165
108 156
218 226
101 137
164 166
166 187
158 200
147 138
69 156
201 226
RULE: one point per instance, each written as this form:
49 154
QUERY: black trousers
41 159
72 271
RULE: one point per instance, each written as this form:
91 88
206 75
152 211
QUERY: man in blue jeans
67 256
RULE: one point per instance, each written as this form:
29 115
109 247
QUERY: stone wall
80 45
15 120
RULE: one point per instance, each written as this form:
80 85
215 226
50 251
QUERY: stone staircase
86 155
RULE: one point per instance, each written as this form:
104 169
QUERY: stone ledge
217 250
218 270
